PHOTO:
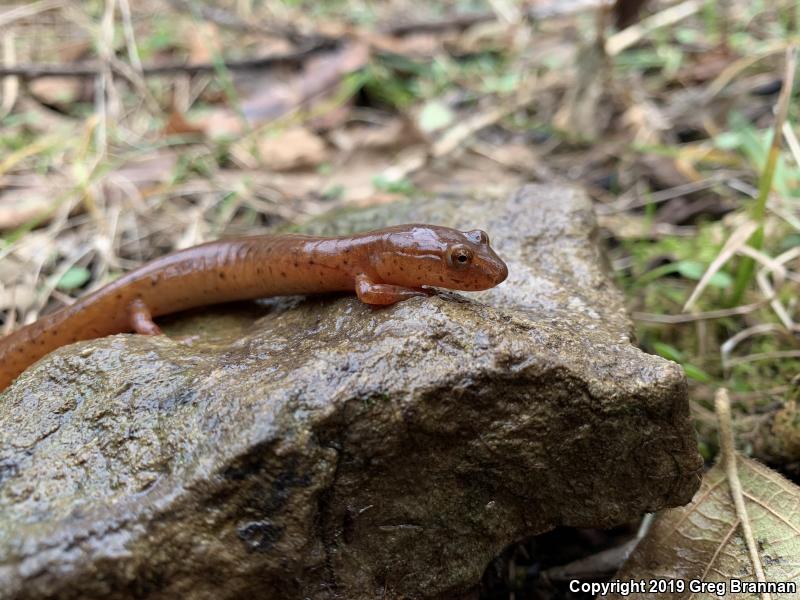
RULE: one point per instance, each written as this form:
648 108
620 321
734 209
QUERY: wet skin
383 267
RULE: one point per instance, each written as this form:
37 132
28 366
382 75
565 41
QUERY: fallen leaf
393 133
703 541
434 116
74 278
295 148
705 66
152 169
270 98
203 41
178 125
321 73
415 45
59 91
19 206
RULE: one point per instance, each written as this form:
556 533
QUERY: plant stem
744 274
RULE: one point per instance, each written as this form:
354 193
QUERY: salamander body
382 267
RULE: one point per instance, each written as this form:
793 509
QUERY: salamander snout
431 255
472 264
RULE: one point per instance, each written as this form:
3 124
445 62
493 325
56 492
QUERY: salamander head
417 255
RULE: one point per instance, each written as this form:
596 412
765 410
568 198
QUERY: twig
701 316
625 204
456 136
630 35
27 11
778 354
464 21
730 72
792 141
130 36
225 19
92 69
730 344
106 99
745 273
722 404
10 84
737 239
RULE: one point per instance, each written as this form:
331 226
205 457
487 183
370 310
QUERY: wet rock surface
319 448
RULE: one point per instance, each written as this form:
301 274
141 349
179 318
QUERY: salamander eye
459 256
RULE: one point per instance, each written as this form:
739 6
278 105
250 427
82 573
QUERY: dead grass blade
669 16
737 239
27 11
744 274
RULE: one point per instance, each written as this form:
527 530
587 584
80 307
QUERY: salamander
383 267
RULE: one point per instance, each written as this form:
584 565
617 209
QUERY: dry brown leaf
178 125
59 91
150 170
705 66
415 45
203 41
703 541
321 74
295 148
397 132
269 98
18 207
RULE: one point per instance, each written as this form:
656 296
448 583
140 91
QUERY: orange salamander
382 266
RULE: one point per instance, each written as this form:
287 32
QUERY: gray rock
324 449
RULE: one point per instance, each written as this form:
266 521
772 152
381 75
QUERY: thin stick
722 404
737 239
778 354
537 12
130 36
92 69
10 85
692 317
630 35
27 11
730 344
746 268
792 141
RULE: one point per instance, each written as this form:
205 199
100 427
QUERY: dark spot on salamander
296 264
283 273
221 275
153 282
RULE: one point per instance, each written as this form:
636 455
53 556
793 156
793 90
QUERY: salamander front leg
370 292
141 319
